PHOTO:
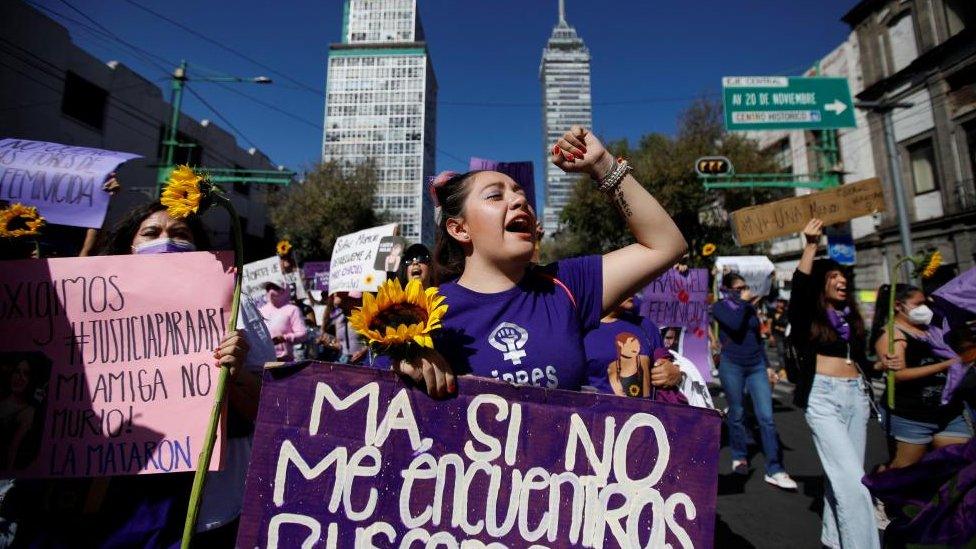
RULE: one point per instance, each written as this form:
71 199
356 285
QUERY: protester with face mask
919 419
743 365
284 320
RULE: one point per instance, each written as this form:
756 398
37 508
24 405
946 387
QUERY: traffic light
713 165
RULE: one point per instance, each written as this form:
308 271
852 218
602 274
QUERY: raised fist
579 151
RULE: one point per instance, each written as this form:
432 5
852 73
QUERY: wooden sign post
790 215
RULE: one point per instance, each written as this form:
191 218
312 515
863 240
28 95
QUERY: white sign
257 273
352 260
755 269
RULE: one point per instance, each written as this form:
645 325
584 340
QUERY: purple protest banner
346 456
316 275
63 182
521 172
678 304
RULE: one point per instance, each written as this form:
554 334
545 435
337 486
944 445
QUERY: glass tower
565 76
381 97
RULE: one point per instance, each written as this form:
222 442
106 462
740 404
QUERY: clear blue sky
649 58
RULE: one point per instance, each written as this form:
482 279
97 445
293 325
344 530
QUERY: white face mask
921 315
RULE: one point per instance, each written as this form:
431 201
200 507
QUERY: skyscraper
565 76
381 98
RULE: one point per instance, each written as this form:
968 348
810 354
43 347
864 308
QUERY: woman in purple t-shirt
515 321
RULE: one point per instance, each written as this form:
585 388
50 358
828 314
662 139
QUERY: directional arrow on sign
836 107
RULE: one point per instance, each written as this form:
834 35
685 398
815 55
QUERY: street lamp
885 108
176 99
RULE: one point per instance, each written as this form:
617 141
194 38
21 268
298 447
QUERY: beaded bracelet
612 180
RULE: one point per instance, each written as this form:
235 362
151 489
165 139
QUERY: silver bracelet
612 180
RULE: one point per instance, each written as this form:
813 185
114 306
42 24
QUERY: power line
220 116
204 37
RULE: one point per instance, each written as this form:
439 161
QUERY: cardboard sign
110 359
757 271
317 275
353 258
790 215
678 304
346 456
63 182
258 273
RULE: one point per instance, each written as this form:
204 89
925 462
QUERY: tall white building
565 76
381 106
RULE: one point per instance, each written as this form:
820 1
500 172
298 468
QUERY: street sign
714 165
787 103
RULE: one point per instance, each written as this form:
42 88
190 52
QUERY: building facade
52 90
923 52
381 97
566 102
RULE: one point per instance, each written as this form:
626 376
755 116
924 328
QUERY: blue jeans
838 414
735 379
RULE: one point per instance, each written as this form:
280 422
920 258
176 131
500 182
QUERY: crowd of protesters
590 337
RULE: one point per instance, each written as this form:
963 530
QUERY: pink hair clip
437 182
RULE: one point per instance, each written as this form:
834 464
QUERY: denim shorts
922 432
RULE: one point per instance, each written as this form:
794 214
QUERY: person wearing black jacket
828 334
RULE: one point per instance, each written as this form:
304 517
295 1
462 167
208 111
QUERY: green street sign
787 103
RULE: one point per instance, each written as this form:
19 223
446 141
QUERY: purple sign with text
63 182
347 456
316 275
678 304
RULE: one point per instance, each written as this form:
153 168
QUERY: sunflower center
401 313
18 223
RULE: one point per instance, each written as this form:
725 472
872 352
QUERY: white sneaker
781 480
740 466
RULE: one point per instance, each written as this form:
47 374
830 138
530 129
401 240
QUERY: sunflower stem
203 463
890 329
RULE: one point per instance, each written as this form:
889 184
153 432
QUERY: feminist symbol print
510 339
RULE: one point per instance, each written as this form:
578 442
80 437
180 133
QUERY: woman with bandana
743 366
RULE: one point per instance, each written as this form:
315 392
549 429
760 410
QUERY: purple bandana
838 319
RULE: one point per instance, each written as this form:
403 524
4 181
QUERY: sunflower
708 249
930 263
183 194
284 247
634 390
369 280
19 220
398 317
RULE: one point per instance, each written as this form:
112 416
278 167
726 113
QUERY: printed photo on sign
23 400
673 338
390 253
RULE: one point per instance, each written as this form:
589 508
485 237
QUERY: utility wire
220 116
225 47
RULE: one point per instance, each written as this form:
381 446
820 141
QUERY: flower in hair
438 181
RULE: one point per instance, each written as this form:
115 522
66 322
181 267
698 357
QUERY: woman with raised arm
828 333
510 319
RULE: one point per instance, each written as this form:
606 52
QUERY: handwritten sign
350 455
352 260
678 304
790 215
63 182
316 275
258 273
111 361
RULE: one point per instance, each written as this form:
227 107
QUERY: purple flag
678 304
956 300
316 275
63 182
521 172
344 455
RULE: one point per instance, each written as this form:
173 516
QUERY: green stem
203 463
890 329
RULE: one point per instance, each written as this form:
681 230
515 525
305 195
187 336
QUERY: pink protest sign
106 363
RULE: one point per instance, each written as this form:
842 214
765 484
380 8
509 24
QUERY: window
959 15
84 101
924 175
901 39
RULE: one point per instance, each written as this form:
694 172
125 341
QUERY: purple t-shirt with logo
601 347
531 334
